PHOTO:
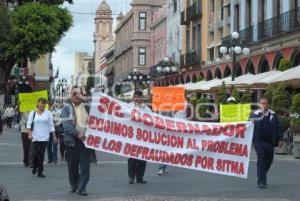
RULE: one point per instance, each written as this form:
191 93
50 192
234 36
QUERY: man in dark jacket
74 118
267 135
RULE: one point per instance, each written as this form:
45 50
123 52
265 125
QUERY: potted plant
284 64
279 102
295 124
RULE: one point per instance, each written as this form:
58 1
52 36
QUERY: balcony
273 28
182 62
284 23
183 21
194 11
211 22
193 58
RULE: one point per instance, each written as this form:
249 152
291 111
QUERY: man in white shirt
136 167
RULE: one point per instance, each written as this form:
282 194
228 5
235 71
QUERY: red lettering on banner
159 123
112 145
135 116
217 130
229 130
159 138
206 129
170 125
92 120
156 155
181 127
192 144
93 141
229 166
240 130
110 107
148 120
225 147
204 162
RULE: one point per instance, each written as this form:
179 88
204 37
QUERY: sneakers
162 172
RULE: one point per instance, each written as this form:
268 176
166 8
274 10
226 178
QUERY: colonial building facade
133 38
270 28
103 31
174 39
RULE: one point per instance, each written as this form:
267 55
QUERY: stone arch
194 78
295 58
202 74
166 82
263 65
227 71
181 79
209 75
187 78
177 81
218 73
277 59
250 67
238 70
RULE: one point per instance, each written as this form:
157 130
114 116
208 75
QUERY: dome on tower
103 6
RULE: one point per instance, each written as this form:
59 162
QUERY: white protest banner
119 128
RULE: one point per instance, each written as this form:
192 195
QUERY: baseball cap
231 99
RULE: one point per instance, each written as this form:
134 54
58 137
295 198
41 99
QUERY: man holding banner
74 120
136 167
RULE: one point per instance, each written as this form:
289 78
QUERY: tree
284 64
280 102
200 78
236 94
246 96
221 95
32 29
89 84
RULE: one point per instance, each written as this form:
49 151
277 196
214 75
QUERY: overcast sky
80 36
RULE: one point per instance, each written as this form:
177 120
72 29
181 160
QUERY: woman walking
40 126
9 114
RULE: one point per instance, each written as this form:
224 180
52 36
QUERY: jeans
38 153
52 150
265 155
78 159
26 149
162 167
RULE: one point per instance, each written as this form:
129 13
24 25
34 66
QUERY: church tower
103 31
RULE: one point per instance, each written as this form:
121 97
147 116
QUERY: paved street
109 180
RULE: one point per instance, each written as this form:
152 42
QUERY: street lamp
234 47
136 77
61 88
166 67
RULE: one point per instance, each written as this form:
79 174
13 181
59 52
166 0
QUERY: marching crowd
64 124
